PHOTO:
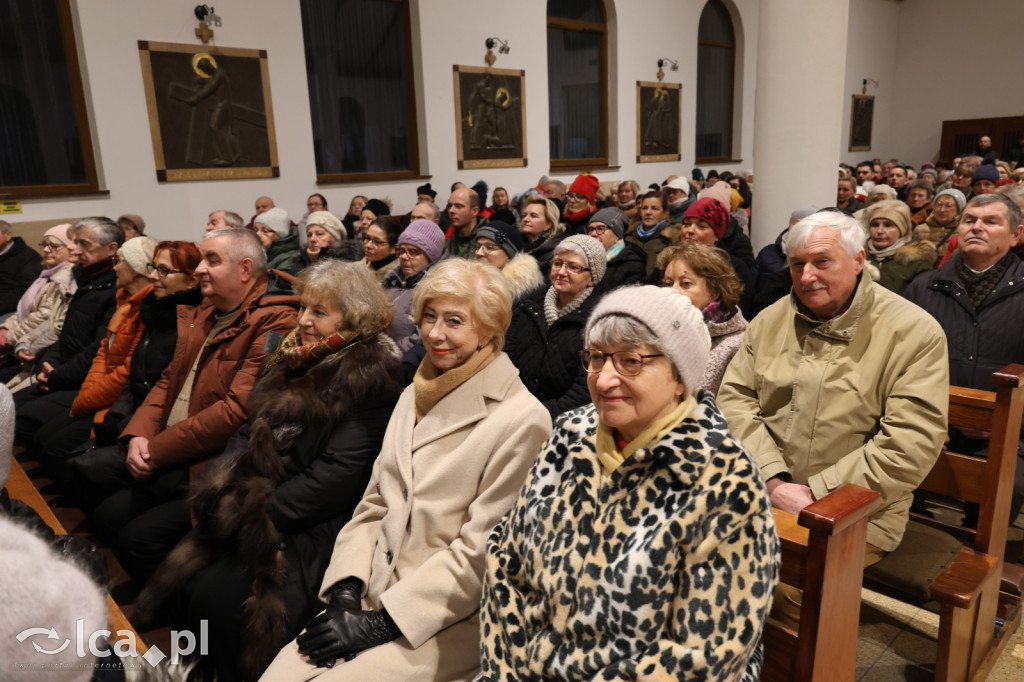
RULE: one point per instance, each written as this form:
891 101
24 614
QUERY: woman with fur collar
404 583
891 253
268 513
499 244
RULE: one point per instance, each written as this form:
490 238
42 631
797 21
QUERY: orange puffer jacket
109 371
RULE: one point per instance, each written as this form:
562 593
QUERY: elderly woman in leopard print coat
642 545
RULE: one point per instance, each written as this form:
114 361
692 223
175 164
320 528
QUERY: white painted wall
871 48
954 60
445 32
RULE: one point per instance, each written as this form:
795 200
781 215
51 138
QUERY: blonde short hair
480 284
351 288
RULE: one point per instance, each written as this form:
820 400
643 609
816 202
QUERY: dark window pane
715 24
580 10
715 65
575 82
39 140
356 57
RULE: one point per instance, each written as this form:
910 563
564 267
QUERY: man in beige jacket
841 382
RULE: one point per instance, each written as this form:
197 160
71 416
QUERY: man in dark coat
20 265
64 365
976 297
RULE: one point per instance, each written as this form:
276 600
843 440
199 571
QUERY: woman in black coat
269 510
546 334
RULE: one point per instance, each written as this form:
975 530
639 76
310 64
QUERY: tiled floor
897 641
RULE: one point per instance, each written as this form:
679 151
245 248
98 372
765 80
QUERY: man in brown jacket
200 400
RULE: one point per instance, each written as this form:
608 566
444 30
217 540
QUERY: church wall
445 32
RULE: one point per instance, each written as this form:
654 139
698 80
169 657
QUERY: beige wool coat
418 537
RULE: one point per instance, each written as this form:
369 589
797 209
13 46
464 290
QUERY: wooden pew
976 621
20 487
822 552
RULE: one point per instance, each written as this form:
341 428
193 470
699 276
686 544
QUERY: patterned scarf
296 355
551 310
981 284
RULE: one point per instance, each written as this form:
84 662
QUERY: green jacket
861 398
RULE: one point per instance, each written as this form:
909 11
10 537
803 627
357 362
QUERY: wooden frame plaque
490 117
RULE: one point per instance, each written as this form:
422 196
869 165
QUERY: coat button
378 488
970 357
405 494
389 556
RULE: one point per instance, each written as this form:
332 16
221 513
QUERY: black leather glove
340 631
347 594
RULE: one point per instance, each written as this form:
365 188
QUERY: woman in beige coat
404 584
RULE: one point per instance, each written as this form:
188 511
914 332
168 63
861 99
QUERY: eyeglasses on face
558 264
597 230
373 240
626 362
52 245
410 251
161 270
575 196
488 247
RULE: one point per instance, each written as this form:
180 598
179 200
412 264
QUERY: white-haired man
841 382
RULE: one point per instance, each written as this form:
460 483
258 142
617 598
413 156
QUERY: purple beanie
426 236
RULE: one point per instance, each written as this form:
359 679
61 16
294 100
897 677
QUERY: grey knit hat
589 248
137 252
677 324
276 219
614 218
957 195
502 234
329 222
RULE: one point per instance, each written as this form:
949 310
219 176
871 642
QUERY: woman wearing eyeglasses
380 240
172 275
627 263
499 244
547 326
32 329
420 246
642 545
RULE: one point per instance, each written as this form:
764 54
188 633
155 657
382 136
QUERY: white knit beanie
40 591
677 324
329 222
276 219
138 251
589 248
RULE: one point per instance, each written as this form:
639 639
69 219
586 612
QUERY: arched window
361 92
716 64
577 83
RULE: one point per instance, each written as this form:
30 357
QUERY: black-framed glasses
575 196
558 264
161 270
373 240
626 362
597 230
116 260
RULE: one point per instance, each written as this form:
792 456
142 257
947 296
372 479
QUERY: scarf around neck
980 284
551 310
430 386
28 299
294 354
884 254
646 233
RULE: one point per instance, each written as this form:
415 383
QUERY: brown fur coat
234 502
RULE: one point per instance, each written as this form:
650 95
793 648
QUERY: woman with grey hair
642 545
403 585
547 327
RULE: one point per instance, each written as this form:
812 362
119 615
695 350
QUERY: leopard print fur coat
664 570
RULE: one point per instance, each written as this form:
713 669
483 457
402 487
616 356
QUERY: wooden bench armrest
962 581
1012 376
840 509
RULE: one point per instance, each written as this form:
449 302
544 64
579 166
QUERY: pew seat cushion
910 569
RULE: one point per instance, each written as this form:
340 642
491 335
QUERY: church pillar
798 109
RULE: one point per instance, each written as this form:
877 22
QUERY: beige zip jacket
861 398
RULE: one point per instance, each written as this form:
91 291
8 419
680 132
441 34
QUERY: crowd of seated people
365 443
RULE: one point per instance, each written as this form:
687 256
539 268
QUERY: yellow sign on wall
10 207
